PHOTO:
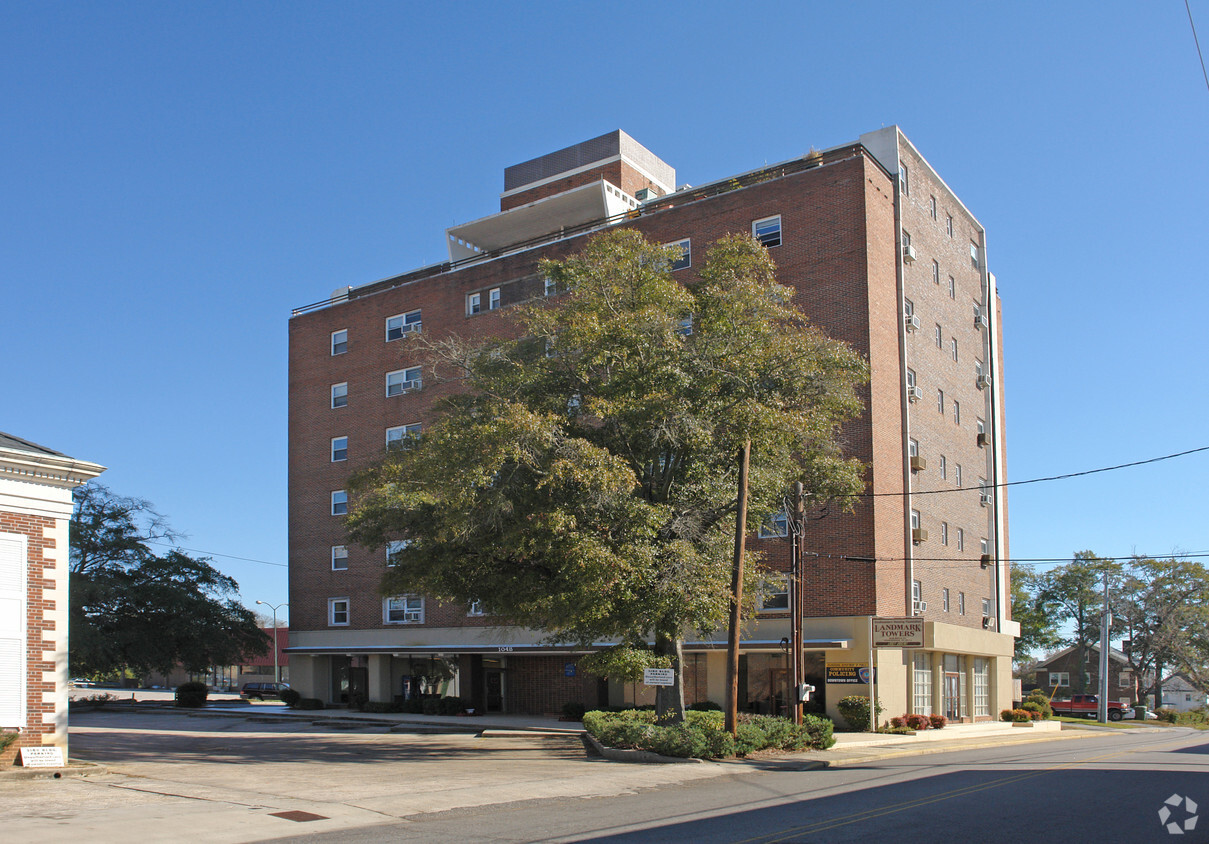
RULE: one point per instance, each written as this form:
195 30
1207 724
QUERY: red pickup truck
1086 705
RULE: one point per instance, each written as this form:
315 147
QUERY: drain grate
300 817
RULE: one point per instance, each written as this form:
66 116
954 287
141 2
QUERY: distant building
1180 694
1064 673
881 254
35 511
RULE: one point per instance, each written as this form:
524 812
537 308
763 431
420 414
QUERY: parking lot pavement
221 779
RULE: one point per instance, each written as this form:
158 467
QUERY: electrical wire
217 554
1197 41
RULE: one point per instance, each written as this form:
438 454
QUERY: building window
340 395
401 436
944 533
774 525
984 546
493 299
910 378
986 607
978 374
400 324
982 687
339 503
935 273
912 448
974 254
961 540
961 603
932 206
915 521
394 547
904 179
921 687
953 347
549 286
403 381
952 287
956 412
339 449
474 303
940 401
403 609
944 599
337 612
684 326
775 592
340 341
917 593
944 468
957 474
339 557
949 225
475 609
685 259
767 231
1058 679
908 307
938 336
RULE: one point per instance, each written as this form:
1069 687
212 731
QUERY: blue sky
177 177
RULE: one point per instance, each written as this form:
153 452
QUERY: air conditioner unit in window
920 607
908 254
914 394
980 319
984 499
912 322
984 381
918 464
988 623
982 439
985 560
919 535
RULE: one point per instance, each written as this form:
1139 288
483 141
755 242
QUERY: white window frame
339 558
549 286
940 402
949 225
336 456
474 304
767 230
908 307
944 599
686 254
904 179
14 635
339 502
982 687
961 539
403 435
915 520
974 255
495 299
944 468
774 525
475 610
944 533
333 610
952 287
913 448
921 683
986 607
339 346
403 381
984 545
956 412
911 378
1059 679
406 324
953 348
339 395
957 474
774 593
932 206
394 547
935 272
961 603
938 335
410 609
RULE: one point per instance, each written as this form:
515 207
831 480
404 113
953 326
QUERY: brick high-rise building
881 253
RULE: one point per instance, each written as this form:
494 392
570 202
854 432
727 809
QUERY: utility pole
736 595
1105 624
798 530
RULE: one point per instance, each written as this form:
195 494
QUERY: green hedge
192 694
703 736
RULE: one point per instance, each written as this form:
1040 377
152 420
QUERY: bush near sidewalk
703 734
192 694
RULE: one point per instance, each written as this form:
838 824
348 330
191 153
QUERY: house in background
35 511
1065 672
1181 695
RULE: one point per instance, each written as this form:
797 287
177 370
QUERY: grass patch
1118 725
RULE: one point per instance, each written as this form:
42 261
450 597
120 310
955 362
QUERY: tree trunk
736 596
669 700
1158 684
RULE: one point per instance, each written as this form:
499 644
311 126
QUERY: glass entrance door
494 689
952 696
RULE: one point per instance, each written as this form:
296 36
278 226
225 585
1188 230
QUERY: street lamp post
276 667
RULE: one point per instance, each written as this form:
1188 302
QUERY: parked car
1150 716
262 691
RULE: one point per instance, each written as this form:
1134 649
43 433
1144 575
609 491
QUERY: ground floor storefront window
921 692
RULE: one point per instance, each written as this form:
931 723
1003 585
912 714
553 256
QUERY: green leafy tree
135 610
583 481
1075 595
1162 608
1035 614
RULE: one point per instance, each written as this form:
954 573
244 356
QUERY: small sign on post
42 757
659 676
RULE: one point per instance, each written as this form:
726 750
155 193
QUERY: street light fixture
276 667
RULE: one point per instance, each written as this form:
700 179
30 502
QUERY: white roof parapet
597 201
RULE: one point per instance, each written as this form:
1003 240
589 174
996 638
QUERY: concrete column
379 678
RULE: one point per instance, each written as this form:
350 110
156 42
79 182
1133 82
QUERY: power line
1197 41
217 554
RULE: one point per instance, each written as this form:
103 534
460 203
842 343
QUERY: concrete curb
617 754
74 768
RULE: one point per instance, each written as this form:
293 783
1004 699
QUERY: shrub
704 706
573 711
702 734
310 703
192 694
357 700
449 706
431 705
748 739
1168 715
1041 699
7 738
706 719
820 731
938 722
290 697
855 709
413 706
1019 716
916 721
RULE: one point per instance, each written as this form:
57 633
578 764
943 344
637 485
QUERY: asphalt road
1104 790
